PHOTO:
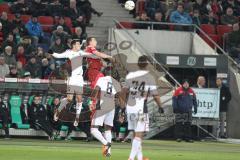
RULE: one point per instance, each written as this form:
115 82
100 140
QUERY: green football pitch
31 149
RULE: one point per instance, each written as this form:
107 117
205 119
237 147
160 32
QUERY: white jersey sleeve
88 55
62 55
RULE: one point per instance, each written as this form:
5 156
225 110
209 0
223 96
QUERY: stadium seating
15 102
11 17
127 25
214 37
140 5
46 23
222 29
68 22
4 7
208 28
25 18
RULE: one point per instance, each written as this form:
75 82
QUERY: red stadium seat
46 23
68 22
73 30
208 28
214 37
127 25
4 7
222 29
11 17
140 7
25 18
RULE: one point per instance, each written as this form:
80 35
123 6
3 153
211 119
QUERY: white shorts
138 122
100 118
75 84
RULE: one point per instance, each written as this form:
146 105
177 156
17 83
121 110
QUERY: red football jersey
93 63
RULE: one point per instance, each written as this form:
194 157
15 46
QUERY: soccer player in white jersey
75 81
108 87
139 86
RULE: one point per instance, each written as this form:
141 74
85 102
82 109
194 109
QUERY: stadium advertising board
208 103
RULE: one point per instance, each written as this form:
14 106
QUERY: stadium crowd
206 14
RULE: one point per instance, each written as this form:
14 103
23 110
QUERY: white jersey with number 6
105 111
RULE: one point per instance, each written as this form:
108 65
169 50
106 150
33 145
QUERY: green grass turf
31 149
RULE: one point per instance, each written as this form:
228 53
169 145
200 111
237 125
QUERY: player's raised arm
88 55
59 55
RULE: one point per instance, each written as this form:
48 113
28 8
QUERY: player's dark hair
142 62
74 41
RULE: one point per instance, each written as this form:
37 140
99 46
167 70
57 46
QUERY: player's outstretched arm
59 55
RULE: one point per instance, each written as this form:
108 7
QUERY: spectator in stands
34 30
55 9
4 68
9 42
225 97
210 19
143 18
59 33
4 118
87 9
201 82
58 46
9 56
152 6
17 22
233 43
21 55
230 3
20 69
215 7
20 6
80 22
196 17
184 99
187 6
27 75
180 17
38 117
68 44
78 34
159 17
39 54
13 72
28 48
5 23
61 22
73 11
37 8
229 19
34 68
201 6
16 35
1 33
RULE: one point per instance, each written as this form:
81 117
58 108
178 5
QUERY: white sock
108 136
140 154
97 134
136 144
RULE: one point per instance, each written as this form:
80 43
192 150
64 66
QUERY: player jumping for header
75 81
